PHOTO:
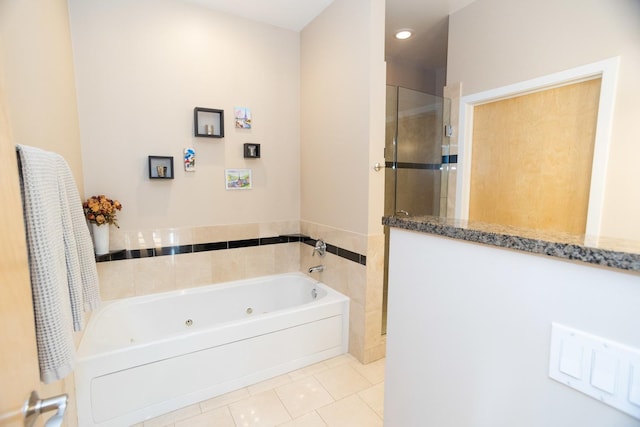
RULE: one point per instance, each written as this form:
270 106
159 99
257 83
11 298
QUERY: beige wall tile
193 269
376 353
259 261
227 265
153 275
270 229
116 279
287 257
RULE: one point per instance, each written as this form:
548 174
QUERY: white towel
62 267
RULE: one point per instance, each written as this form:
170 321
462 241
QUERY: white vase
100 238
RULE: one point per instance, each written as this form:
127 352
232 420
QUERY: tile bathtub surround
231 244
361 282
334 393
197 247
143 276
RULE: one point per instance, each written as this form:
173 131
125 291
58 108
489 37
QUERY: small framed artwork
208 122
243 117
237 179
189 160
160 167
252 151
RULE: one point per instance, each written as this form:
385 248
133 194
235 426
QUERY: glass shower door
416 157
416 153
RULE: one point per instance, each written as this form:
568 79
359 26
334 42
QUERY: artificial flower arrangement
101 210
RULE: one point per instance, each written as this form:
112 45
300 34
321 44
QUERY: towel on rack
64 279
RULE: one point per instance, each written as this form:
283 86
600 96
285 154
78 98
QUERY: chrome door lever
34 406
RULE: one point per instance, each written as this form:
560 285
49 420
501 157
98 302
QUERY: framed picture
189 160
160 167
208 122
243 117
237 179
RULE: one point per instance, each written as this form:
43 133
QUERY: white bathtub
142 357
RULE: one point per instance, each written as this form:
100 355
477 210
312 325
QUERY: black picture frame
208 122
252 151
160 167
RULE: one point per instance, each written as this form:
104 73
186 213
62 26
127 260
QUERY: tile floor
339 392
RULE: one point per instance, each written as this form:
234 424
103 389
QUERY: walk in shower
416 158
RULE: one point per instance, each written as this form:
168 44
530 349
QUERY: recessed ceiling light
404 34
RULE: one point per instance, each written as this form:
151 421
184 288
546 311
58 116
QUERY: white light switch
604 369
571 357
634 384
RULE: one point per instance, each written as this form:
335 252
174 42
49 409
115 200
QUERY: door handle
403 212
34 406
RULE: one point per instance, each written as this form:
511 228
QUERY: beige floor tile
269 384
311 419
220 417
373 372
171 417
340 360
308 371
223 400
303 396
262 410
349 412
374 397
342 380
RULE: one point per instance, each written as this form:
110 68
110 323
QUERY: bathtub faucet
317 268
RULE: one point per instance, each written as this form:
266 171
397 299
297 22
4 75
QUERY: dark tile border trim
342 253
232 244
450 159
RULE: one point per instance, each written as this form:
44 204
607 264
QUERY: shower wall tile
451 192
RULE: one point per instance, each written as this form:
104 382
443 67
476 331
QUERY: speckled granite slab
614 253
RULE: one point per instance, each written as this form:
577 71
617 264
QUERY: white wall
141 69
36 67
470 346
494 43
406 74
342 64
39 96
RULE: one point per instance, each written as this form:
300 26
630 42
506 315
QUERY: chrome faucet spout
317 268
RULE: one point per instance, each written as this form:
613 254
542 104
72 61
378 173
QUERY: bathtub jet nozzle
317 268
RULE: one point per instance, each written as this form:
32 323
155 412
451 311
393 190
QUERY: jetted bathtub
144 356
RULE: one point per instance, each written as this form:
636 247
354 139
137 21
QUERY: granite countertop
607 252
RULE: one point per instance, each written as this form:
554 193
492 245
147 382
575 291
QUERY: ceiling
427 49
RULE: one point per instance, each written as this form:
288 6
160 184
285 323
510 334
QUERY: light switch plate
603 369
